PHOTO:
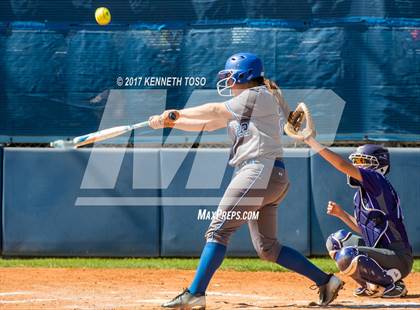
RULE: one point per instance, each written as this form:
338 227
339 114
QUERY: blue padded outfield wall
44 220
40 217
129 203
57 66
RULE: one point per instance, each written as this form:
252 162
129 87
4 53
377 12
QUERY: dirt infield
39 288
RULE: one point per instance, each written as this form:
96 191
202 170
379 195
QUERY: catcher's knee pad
346 259
335 241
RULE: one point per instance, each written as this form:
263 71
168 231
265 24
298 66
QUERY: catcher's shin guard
362 267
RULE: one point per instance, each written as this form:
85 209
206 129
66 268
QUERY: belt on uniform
277 163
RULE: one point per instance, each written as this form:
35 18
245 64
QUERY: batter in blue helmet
253 117
379 257
239 69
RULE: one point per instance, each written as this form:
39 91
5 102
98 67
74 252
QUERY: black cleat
395 290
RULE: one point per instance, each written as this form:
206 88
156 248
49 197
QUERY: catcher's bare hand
335 209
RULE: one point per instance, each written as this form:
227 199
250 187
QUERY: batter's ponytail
275 90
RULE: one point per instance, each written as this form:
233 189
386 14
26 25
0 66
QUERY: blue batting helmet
239 68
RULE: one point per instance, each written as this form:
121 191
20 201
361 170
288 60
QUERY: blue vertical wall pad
40 217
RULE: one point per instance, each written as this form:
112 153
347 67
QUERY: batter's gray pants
257 186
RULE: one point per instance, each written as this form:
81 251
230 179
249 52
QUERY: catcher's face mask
366 162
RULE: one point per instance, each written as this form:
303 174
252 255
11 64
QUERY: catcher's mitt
293 127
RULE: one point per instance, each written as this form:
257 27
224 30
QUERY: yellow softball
102 16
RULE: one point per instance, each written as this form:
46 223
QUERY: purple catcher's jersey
377 210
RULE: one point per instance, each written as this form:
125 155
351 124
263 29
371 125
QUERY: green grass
238 264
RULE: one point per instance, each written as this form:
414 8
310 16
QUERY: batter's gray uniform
261 181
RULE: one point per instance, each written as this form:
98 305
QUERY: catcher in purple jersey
382 256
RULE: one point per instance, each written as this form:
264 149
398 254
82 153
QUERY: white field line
368 303
152 301
252 296
253 308
77 307
107 306
15 293
305 303
376 304
249 296
26 301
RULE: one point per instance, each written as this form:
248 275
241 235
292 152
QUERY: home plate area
52 288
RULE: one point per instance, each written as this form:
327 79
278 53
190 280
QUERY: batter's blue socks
211 259
293 260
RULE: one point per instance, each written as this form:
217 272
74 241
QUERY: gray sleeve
240 106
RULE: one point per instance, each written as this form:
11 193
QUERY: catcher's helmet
371 156
239 68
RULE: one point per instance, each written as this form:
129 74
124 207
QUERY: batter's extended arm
187 124
209 111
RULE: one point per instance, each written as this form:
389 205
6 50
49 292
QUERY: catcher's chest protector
379 219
